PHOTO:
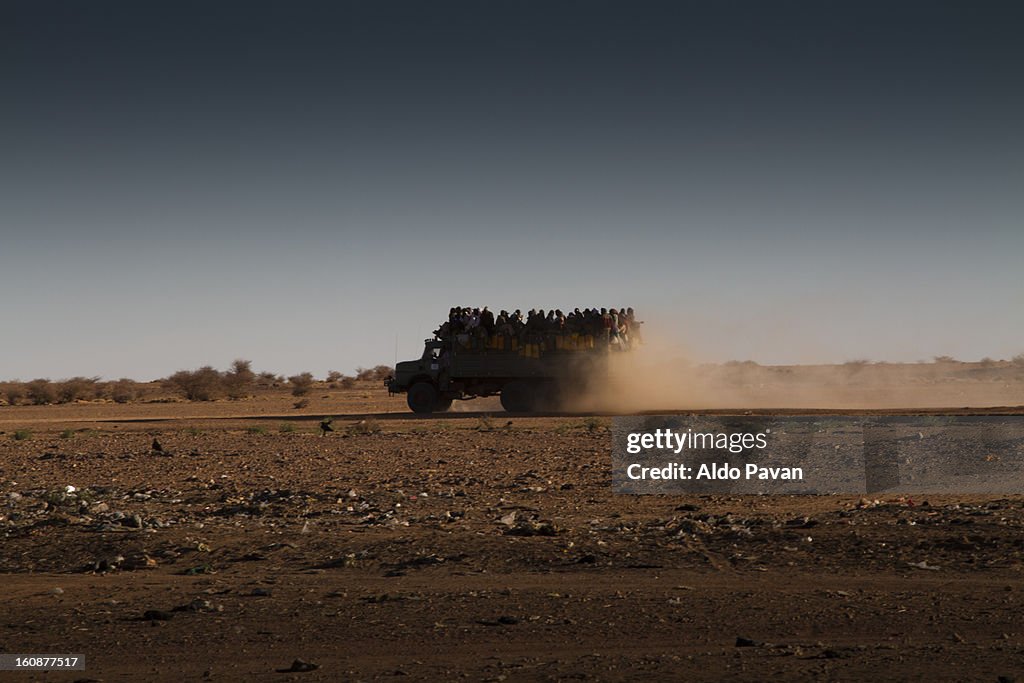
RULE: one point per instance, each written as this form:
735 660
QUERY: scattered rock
157 615
299 666
924 565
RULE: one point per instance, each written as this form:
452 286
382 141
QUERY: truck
527 377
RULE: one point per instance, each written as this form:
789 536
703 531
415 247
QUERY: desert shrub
239 379
22 434
41 392
286 428
378 373
1018 360
256 429
944 359
334 376
15 391
67 434
122 391
301 383
203 384
593 424
77 388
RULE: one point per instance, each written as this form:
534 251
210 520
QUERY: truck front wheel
422 397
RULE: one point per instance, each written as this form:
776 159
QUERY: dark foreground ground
477 548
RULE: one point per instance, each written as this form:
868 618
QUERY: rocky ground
467 546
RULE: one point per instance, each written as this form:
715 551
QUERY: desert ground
470 545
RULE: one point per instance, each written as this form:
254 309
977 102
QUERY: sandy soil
466 546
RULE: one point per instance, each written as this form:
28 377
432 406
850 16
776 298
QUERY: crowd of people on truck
539 331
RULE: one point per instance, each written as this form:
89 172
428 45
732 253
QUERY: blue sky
302 187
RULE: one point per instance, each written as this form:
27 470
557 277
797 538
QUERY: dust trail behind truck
530 372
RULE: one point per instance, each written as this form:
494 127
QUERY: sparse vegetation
41 392
239 379
67 434
22 435
78 388
286 428
378 373
203 384
123 390
301 383
14 392
593 425
256 429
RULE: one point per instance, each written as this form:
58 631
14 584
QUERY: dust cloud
661 375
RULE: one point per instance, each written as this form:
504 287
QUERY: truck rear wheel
422 398
517 397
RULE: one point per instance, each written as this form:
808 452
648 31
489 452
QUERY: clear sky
303 184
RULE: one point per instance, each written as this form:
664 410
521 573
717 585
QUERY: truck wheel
443 405
516 397
422 397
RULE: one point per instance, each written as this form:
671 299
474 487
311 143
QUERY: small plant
593 425
41 392
22 435
301 383
193 431
67 434
286 428
123 391
256 429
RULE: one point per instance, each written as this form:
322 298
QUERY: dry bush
78 388
334 376
378 373
347 382
204 384
123 390
239 379
41 392
1018 360
301 383
14 391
